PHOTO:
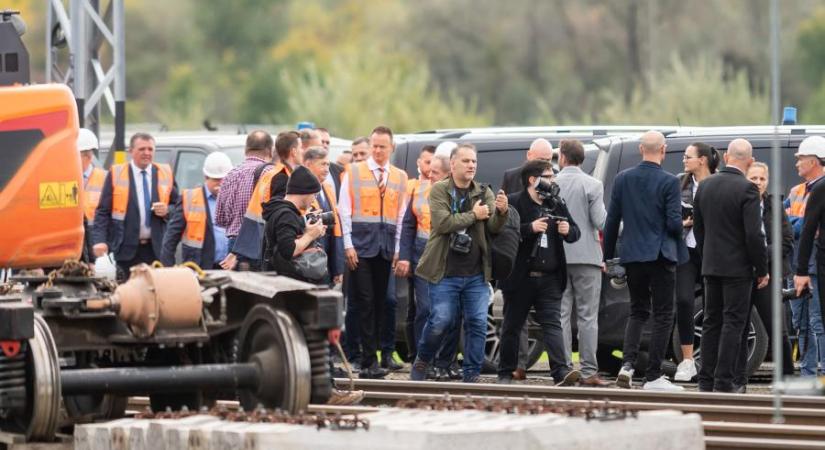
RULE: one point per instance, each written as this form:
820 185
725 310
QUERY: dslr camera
548 192
327 218
616 273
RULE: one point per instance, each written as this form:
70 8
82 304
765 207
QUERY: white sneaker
662 384
685 371
625 378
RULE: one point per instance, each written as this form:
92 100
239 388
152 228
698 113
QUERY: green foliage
811 48
814 111
700 93
365 88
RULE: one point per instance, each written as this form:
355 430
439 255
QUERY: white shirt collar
137 169
374 165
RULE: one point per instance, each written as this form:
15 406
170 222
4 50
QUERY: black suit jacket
511 183
336 170
728 226
123 238
204 257
524 205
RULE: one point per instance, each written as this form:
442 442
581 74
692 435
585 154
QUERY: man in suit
335 170
193 219
647 199
130 220
539 149
727 223
584 196
317 161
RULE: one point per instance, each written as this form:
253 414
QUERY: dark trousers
543 293
369 290
387 341
244 263
409 321
727 305
761 299
651 286
145 254
687 275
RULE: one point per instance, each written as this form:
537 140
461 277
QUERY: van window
189 170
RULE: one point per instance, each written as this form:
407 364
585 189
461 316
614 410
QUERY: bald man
539 149
735 252
647 199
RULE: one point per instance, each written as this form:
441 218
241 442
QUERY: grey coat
584 196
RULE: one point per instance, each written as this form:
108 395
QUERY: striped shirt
233 198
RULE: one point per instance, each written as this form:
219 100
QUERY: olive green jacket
443 223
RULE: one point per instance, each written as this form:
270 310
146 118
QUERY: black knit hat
302 181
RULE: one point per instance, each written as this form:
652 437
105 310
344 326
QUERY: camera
461 242
790 294
327 218
616 273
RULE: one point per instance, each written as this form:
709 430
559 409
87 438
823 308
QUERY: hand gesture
316 229
481 211
801 283
539 225
563 227
402 269
160 209
351 257
501 202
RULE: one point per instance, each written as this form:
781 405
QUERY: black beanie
301 182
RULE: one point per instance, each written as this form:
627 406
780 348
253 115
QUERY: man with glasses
539 277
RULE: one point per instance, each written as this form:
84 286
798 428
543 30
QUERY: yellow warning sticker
62 194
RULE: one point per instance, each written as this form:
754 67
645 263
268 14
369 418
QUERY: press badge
543 242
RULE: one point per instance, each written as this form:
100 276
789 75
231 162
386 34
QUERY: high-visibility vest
262 192
375 216
797 198
93 188
194 210
329 192
420 198
120 187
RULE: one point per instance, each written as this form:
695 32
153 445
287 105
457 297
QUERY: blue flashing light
302 125
789 115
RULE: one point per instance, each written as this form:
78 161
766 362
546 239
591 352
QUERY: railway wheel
36 370
273 339
93 407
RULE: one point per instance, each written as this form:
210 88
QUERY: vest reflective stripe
262 192
368 204
797 198
93 188
421 209
120 187
329 192
194 210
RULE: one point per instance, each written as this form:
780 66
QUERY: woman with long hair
701 161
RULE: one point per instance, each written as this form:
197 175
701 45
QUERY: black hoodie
284 225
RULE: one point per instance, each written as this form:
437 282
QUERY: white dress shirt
145 232
690 239
345 204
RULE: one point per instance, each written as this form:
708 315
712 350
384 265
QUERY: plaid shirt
233 198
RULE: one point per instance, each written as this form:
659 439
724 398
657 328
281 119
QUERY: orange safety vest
329 192
798 198
120 187
369 206
194 210
262 192
420 198
93 188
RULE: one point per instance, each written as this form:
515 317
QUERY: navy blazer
648 200
123 238
203 257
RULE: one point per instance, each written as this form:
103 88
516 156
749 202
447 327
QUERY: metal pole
50 50
79 57
119 25
776 220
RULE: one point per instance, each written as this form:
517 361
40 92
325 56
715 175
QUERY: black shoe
441 374
431 374
387 362
454 371
472 379
338 372
373 372
355 366
740 388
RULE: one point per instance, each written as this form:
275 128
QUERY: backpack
504 246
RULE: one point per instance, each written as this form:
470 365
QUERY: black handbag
311 264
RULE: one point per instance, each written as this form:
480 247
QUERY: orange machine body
41 185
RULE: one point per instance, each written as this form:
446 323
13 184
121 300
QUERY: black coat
336 171
511 183
728 226
522 202
203 257
787 235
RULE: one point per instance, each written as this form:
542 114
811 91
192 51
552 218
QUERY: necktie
147 199
322 202
382 185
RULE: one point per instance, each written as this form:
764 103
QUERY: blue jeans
807 318
448 298
447 353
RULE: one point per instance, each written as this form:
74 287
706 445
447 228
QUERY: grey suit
584 196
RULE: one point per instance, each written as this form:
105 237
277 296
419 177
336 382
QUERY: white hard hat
445 148
86 140
217 165
812 146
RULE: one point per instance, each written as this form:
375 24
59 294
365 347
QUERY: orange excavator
74 346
